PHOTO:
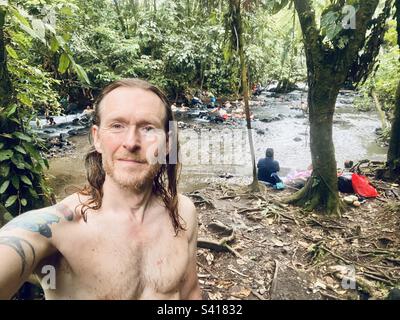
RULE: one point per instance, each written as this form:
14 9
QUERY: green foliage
30 38
182 46
384 81
21 168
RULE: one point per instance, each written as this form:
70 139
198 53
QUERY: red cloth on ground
362 186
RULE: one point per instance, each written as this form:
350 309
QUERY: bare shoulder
43 221
188 213
72 204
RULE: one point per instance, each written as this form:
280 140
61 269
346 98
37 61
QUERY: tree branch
357 36
308 24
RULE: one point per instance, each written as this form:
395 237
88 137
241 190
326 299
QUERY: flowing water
212 152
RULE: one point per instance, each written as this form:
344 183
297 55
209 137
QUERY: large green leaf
33 33
12 110
4 169
18 162
32 151
81 73
6 154
22 136
4 186
64 63
20 149
19 15
33 193
26 180
15 181
11 52
39 28
10 201
23 98
54 45
330 24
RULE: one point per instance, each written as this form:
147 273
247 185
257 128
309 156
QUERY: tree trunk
321 190
5 82
393 156
327 70
238 28
120 18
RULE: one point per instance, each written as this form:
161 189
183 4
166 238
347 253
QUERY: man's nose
132 139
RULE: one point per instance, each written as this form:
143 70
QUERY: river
214 152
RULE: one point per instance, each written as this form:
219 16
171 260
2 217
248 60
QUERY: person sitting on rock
268 169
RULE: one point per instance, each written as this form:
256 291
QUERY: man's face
130 135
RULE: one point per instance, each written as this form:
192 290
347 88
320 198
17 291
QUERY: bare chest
122 263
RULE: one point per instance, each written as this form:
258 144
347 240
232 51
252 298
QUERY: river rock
350 199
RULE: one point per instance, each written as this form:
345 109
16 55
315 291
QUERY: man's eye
148 129
116 126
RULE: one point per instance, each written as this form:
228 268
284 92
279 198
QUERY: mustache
131 157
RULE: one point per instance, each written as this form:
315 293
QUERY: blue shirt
267 166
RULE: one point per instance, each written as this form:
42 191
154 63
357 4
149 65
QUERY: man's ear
96 141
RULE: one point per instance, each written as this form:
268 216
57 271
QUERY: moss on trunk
321 191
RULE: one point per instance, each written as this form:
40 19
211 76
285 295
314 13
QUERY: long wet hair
165 181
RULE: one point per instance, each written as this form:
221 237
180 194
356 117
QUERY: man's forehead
134 99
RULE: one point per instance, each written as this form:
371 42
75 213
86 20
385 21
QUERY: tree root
203 199
312 197
220 246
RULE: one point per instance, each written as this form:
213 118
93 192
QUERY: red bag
362 186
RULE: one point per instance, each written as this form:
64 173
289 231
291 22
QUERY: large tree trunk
321 190
327 70
393 156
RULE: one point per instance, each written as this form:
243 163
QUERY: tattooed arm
24 242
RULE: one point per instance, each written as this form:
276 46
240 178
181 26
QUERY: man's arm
190 289
277 166
24 242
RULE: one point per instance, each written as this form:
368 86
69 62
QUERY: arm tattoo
35 222
66 212
16 244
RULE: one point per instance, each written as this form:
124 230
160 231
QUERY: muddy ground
252 246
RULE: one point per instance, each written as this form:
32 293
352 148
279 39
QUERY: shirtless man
127 234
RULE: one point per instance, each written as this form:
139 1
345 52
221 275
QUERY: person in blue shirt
268 168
